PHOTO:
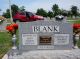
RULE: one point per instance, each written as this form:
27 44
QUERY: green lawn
71 20
74 21
5 43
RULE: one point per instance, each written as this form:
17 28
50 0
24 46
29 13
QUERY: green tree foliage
50 14
14 8
22 8
74 10
55 9
0 10
64 12
41 12
7 14
69 14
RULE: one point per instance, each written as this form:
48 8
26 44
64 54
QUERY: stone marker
45 35
48 39
2 26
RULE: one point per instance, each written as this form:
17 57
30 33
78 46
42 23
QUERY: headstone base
48 54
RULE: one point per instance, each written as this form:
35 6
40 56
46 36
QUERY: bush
1 21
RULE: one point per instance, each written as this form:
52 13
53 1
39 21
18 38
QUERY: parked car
26 17
59 17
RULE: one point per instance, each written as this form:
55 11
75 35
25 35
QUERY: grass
74 21
5 43
71 20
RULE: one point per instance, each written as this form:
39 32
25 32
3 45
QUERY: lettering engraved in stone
61 39
29 39
45 28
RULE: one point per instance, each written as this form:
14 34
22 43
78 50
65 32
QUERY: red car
26 17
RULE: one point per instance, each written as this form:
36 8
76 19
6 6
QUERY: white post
10 11
76 38
14 42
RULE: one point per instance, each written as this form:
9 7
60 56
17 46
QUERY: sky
33 5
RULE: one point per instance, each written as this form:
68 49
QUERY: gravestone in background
3 26
45 35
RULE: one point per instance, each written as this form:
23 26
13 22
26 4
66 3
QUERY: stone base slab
48 54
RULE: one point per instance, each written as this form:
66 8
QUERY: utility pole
10 11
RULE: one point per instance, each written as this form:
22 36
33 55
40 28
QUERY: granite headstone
45 35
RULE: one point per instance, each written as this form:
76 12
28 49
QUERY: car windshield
30 14
22 13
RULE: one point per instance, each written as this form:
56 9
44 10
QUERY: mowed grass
5 43
74 21
71 20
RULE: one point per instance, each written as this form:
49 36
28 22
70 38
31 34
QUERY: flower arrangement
12 28
76 26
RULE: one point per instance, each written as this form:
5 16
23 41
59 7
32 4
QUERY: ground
5 40
5 43
48 54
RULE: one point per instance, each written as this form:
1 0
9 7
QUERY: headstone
53 36
45 35
3 26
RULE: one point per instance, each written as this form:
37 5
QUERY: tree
69 13
14 8
50 14
64 12
22 8
0 10
41 12
55 9
7 14
74 10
